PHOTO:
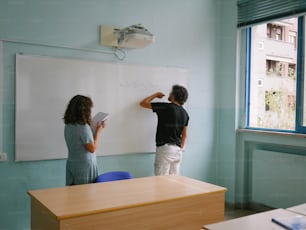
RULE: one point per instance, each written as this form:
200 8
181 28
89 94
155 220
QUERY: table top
257 221
79 200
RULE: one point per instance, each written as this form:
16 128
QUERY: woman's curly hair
78 110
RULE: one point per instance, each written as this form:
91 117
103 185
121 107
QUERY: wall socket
3 157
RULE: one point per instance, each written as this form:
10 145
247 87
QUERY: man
171 130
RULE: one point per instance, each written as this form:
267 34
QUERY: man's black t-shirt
172 119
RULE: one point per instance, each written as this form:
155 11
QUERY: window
272 105
292 71
278 28
274 31
274 68
292 38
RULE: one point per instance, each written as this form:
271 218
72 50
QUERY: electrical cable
120 55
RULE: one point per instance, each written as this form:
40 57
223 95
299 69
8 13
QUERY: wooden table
258 221
158 202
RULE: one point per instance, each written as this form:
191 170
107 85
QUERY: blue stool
111 176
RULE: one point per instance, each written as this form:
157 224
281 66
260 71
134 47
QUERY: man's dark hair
180 94
78 110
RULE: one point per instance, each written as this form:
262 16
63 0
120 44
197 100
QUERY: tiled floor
231 213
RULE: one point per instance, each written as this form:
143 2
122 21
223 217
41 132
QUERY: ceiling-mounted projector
135 36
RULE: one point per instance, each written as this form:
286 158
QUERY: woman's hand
91 147
100 126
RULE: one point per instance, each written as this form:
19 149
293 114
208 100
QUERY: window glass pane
273 58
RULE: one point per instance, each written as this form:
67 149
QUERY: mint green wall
187 35
225 94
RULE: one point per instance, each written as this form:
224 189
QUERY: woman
81 166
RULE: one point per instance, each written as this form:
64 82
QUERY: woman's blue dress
81 166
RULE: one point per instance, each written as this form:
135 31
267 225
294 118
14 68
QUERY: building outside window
273 61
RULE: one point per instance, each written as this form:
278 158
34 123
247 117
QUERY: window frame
300 66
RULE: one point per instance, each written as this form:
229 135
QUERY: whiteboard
45 85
